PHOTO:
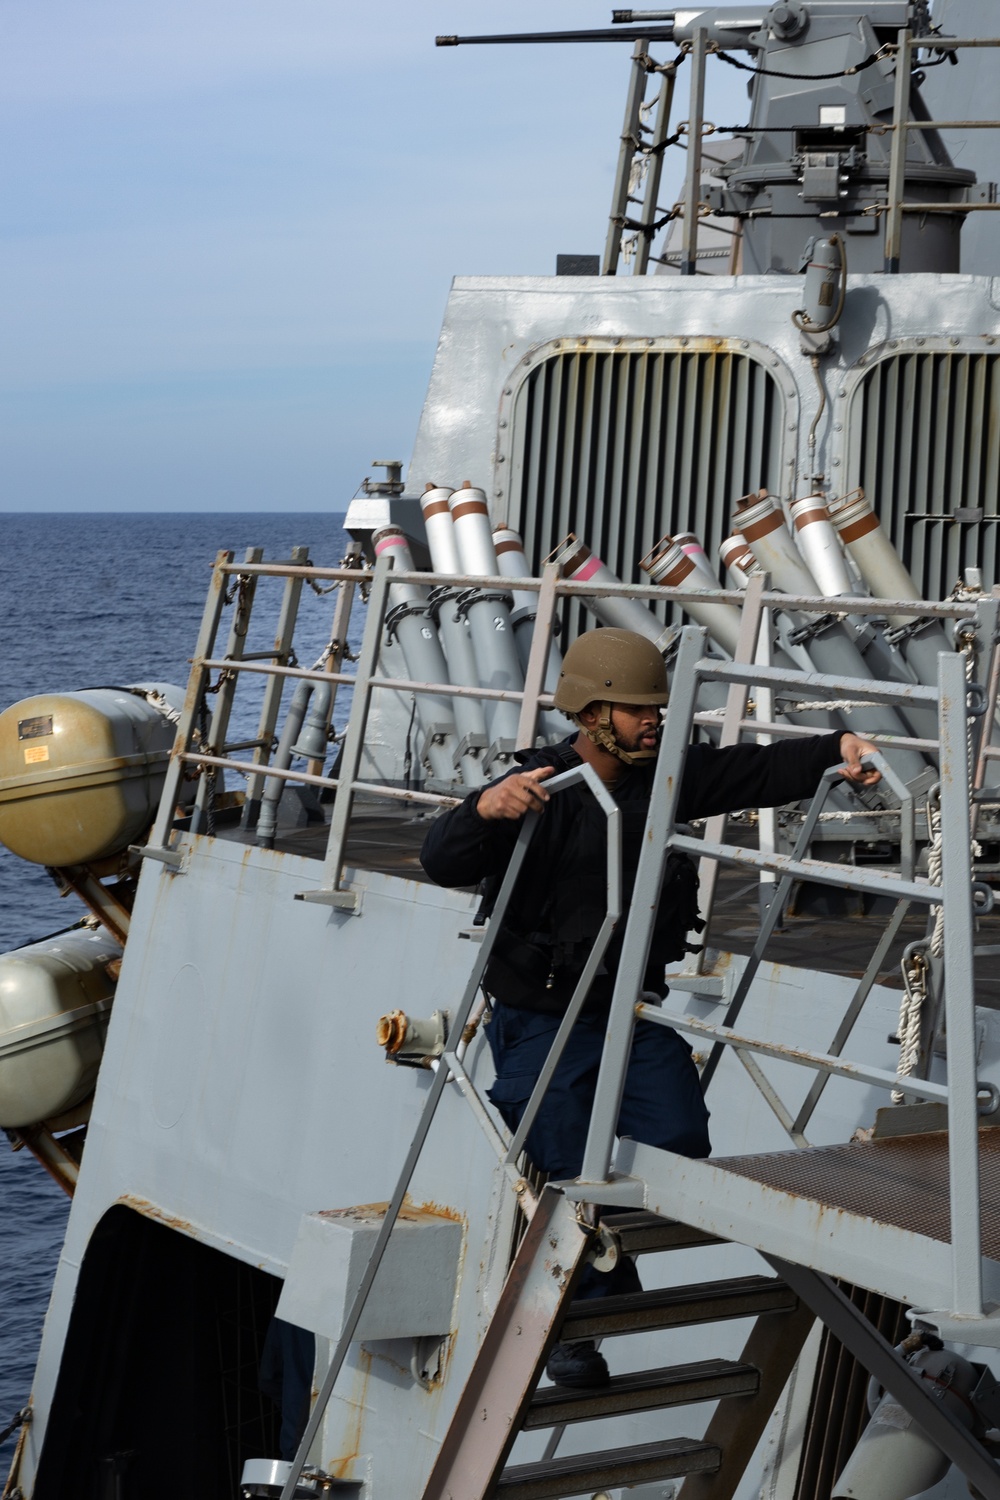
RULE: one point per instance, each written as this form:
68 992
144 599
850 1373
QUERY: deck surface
902 1180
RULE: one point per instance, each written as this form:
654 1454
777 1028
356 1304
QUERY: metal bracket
172 858
349 901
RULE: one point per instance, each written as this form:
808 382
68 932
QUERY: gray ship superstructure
763 430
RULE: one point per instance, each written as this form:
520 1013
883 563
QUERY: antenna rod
606 34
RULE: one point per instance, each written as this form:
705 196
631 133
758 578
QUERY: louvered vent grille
622 445
926 448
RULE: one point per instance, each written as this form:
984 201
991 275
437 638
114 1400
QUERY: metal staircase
805 1232
501 1398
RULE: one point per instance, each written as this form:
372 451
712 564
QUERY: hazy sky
229 228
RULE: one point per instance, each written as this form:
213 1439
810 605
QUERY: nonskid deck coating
901 1181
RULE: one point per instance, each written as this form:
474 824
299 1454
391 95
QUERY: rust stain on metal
411 1213
356 1406
151 1211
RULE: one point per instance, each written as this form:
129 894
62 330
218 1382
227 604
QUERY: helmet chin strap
603 735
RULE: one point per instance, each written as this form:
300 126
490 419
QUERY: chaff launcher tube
819 545
831 648
692 548
762 525
267 821
668 564
576 562
488 613
737 559
513 563
408 620
882 570
470 722
739 563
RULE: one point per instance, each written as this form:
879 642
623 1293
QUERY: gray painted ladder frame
955 893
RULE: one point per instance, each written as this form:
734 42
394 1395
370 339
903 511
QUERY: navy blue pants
662 1104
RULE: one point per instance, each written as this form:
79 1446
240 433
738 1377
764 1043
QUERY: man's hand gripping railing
452 1068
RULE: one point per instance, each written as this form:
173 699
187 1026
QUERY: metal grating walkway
901 1181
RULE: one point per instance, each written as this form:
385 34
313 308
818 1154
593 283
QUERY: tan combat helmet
611 666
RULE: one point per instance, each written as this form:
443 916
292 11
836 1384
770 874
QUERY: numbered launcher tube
512 563
488 614
408 620
470 723
576 562
831 648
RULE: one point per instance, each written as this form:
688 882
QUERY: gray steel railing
956 894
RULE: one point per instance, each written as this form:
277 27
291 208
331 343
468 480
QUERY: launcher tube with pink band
577 562
409 621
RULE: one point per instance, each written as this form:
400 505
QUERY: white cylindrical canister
817 540
470 722
884 573
577 562
473 533
692 548
493 645
877 559
410 622
440 530
760 519
737 559
512 563
670 566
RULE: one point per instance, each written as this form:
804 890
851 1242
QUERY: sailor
613 686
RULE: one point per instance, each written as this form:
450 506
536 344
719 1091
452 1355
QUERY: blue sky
229 228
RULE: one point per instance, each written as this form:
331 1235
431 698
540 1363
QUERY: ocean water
91 601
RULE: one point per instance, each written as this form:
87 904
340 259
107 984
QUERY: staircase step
675 1307
643 1390
641 1232
590 1471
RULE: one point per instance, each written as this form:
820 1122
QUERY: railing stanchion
218 726
330 890
538 657
959 980
169 798
283 636
642 910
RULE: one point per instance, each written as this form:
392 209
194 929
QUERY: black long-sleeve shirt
559 899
